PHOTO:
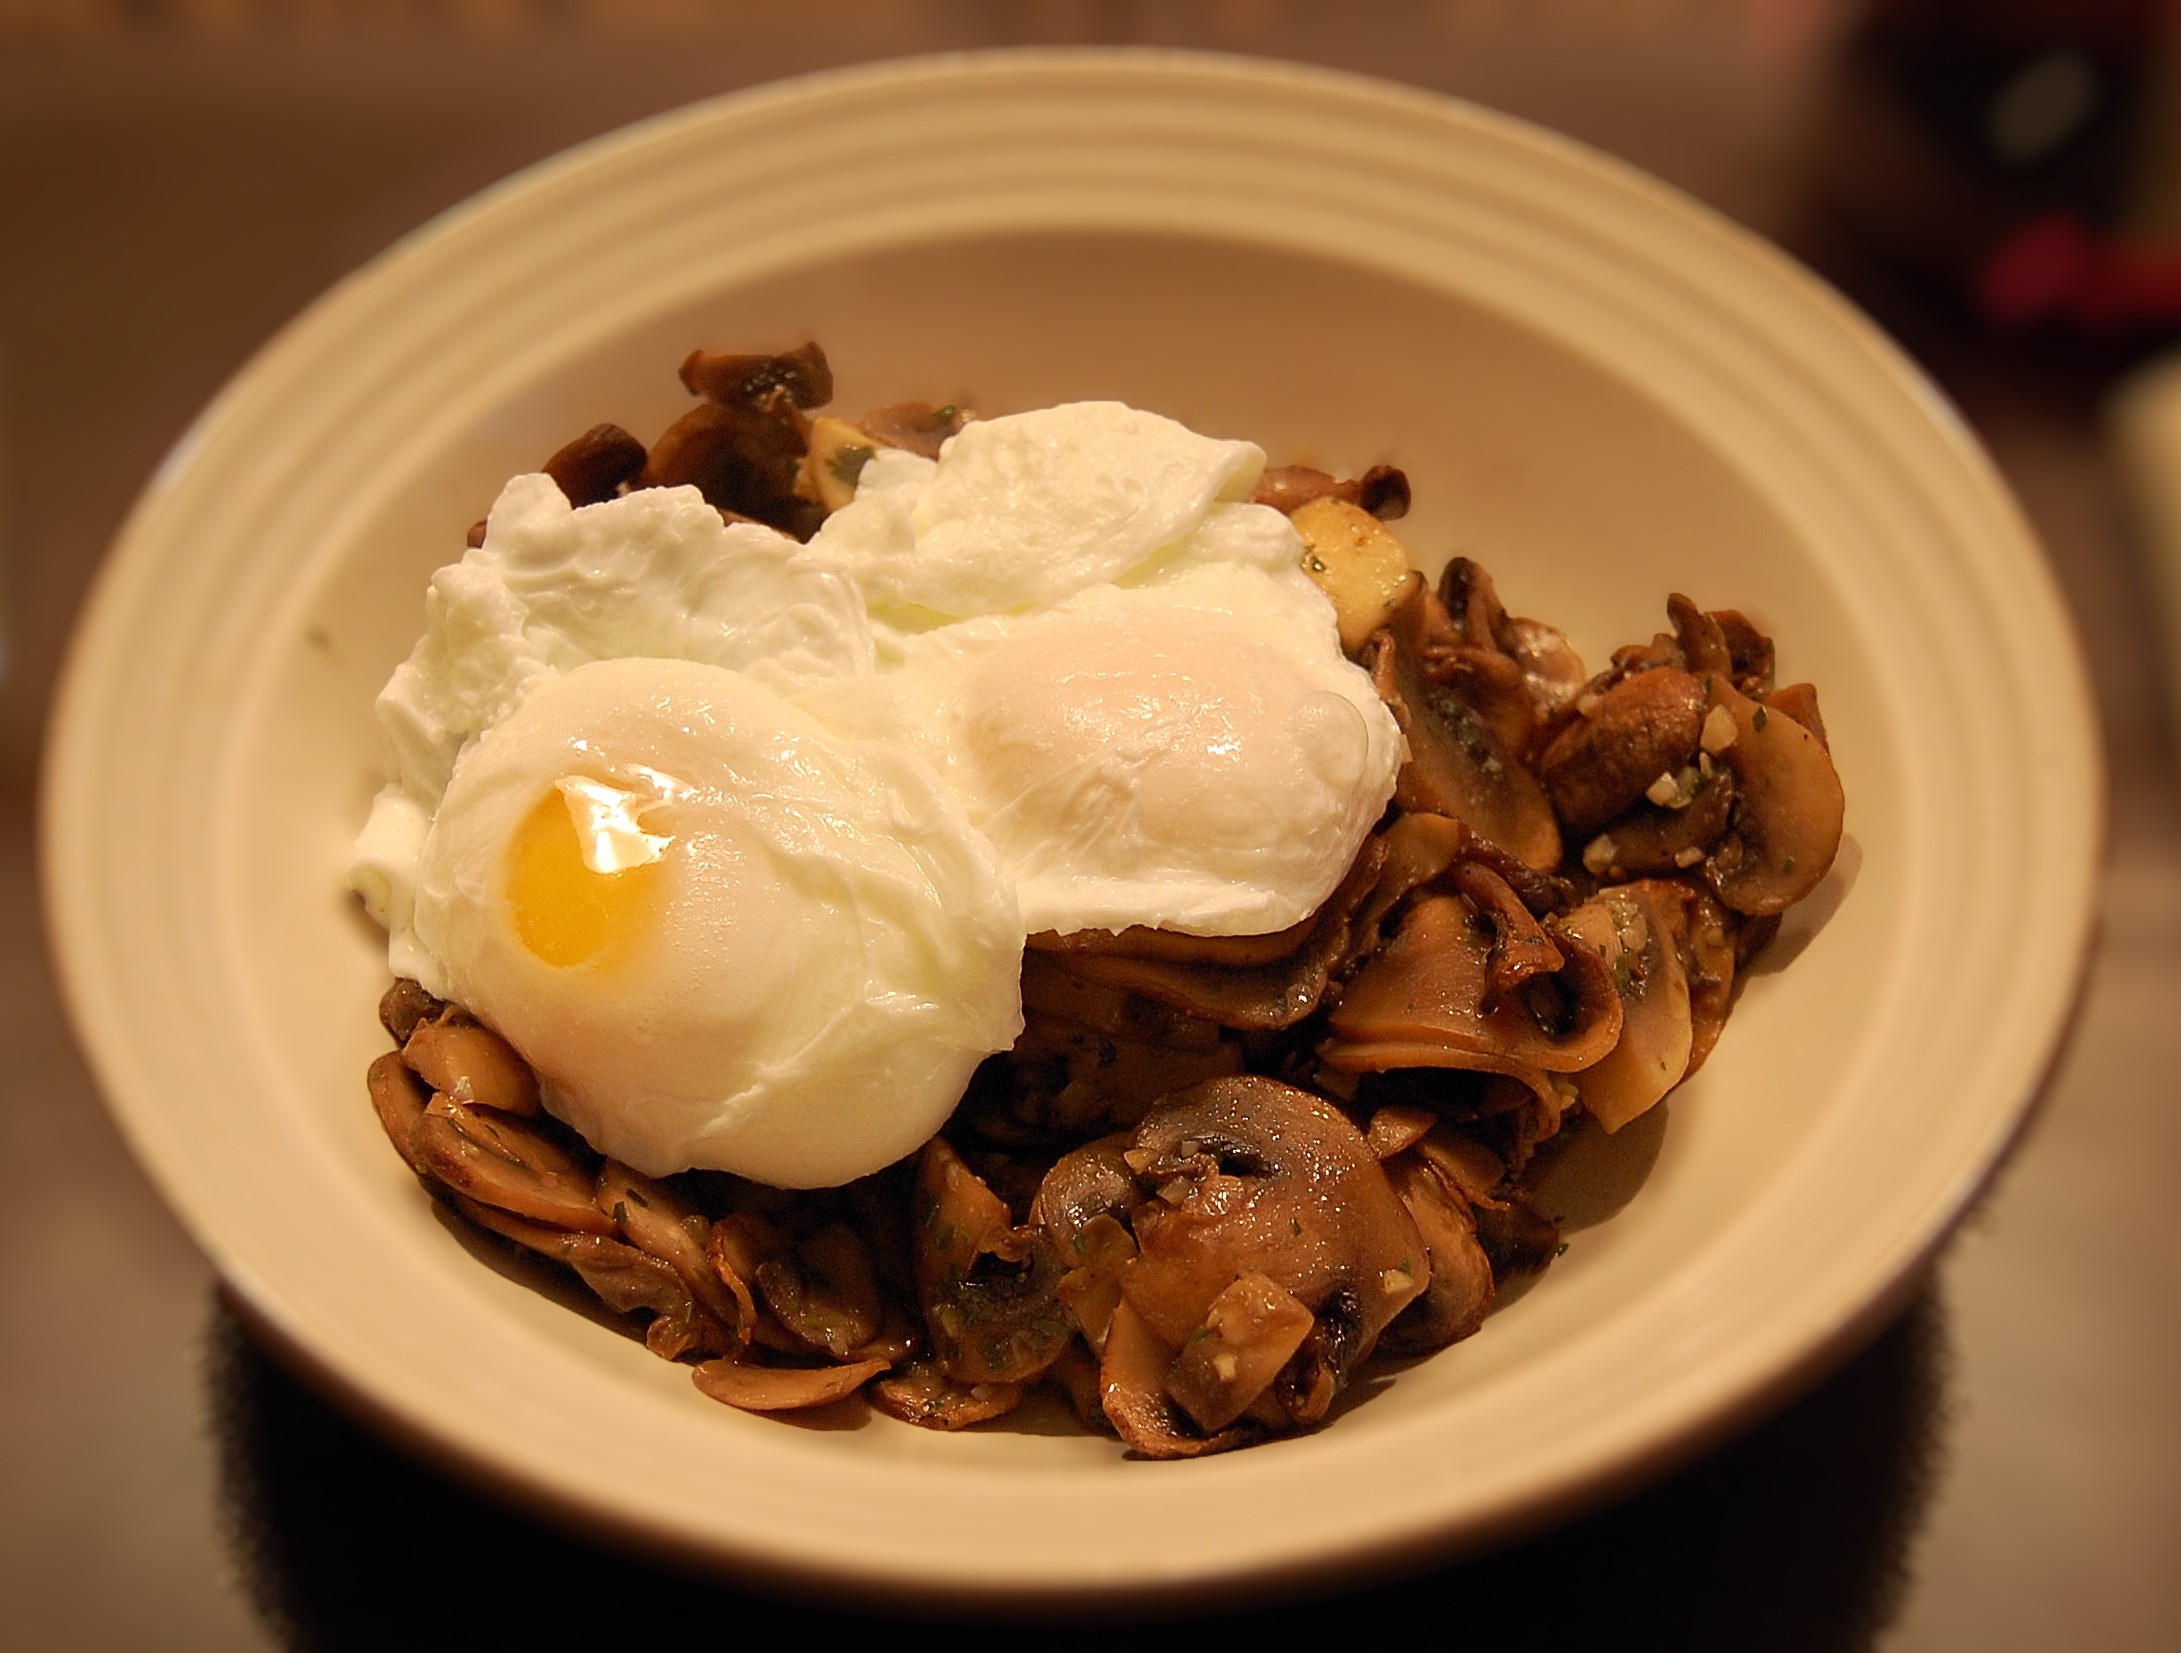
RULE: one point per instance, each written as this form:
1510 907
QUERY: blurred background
1999 183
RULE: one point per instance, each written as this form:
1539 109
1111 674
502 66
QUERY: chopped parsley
847 464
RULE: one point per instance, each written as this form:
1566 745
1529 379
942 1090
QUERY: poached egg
737 841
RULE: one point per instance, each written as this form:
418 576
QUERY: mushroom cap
1788 814
1271 1179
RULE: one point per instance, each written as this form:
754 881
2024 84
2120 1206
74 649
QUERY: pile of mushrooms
1215 1175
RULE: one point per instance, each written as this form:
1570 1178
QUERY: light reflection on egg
583 876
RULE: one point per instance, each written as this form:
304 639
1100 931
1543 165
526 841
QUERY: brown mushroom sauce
1215 1175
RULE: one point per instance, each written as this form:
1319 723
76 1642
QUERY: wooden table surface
2001 1469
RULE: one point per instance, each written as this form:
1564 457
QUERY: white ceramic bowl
1600 389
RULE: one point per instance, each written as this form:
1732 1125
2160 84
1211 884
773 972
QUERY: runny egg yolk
583 876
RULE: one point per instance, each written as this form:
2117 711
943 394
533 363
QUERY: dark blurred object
1793 1538
2012 151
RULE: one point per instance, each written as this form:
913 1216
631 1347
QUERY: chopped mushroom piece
1633 931
592 468
462 1058
1383 490
1132 1373
743 459
1250 1331
800 378
754 1388
1356 561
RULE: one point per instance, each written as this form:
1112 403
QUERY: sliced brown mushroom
1091 1290
1140 941
1460 1294
1463 1162
1248 998
1749 652
1419 848
1083 1185
989 1290
1425 1000
1514 1237
1082 1206
1550 665
1788 812
626 1280
465 1060
1551 671
1076 1375
739 1245
665 1224
1800 702
923 1394
1383 490
1397 1127
754 1388
825 1291
1604 761
1457 765
1706 941
502 1161
1632 930
1700 638
1521 950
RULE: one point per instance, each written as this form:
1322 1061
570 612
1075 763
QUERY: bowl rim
66 775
